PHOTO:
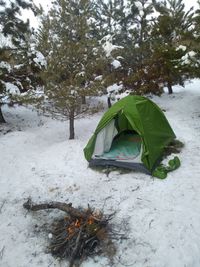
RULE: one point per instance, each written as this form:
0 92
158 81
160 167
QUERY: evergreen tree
43 36
140 16
196 43
112 31
15 67
74 60
172 34
126 24
112 19
138 50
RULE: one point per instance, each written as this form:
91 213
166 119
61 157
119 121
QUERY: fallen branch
72 212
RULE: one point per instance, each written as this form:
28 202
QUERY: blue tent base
121 164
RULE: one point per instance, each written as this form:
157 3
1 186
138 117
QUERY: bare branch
29 205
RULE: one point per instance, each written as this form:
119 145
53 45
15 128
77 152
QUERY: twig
151 223
111 216
135 189
104 203
2 252
58 245
3 203
50 264
126 265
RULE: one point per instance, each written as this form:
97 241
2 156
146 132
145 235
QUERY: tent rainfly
132 134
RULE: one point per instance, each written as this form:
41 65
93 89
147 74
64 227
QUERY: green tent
135 118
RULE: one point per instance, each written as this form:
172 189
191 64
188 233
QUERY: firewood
72 212
76 248
80 234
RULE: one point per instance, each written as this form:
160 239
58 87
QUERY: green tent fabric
140 114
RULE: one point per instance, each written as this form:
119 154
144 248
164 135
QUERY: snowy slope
38 160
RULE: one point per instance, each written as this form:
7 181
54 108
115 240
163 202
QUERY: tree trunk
71 124
169 86
83 100
109 102
2 120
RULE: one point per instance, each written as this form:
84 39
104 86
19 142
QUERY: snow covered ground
38 160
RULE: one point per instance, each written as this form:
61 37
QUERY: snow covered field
38 160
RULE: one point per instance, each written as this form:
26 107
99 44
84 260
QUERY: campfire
81 234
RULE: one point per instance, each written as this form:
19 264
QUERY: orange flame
77 223
70 230
90 220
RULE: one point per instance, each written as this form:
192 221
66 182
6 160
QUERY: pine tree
14 58
140 14
172 31
112 31
74 59
196 42
138 50
43 36
112 19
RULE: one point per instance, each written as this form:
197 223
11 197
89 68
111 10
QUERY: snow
139 5
37 160
91 21
82 73
114 88
191 54
181 47
19 66
116 64
50 236
122 95
108 46
99 78
186 59
11 88
141 13
40 59
5 65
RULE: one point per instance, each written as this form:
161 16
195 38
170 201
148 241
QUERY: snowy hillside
39 161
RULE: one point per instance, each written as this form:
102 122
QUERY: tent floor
125 146
121 164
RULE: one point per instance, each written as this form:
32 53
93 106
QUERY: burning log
82 233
